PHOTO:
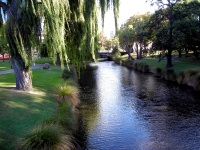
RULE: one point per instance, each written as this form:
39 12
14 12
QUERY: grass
178 66
44 60
20 112
5 65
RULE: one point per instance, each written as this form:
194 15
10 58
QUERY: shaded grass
5 65
20 112
44 60
178 66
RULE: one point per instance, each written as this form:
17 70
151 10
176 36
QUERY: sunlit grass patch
44 60
5 65
19 111
46 136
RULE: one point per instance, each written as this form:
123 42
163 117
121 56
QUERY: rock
46 66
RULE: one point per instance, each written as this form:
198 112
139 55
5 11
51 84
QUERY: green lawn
20 112
178 65
4 65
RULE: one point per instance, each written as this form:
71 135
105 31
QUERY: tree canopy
70 29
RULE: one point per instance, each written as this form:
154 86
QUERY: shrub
67 73
68 92
158 72
145 68
115 53
118 61
65 116
135 65
46 137
169 74
128 62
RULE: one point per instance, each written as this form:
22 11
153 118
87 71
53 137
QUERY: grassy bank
184 71
20 112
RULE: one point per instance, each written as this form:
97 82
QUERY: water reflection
124 109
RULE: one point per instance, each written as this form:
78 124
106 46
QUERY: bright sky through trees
127 9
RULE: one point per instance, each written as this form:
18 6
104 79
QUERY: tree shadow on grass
20 112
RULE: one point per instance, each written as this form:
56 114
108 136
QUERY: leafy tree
126 38
134 33
187 27
170 5
70 29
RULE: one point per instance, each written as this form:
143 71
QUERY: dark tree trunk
169 59
128 50
58 63
196 54
3 57
179 53
169 54
22 75
186 52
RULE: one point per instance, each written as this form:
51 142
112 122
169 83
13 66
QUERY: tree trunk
169 59
137 50
140 53
169 54
128 50
3 57
23 76
58 63
179 53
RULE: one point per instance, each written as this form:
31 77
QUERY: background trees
134 34
175 26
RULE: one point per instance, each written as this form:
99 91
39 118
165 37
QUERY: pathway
36 66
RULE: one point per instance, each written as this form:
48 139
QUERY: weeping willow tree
70 30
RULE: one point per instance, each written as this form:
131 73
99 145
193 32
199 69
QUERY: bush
169 74
143 67
67 73
118 61
128 62
65 116
67 92
46 137
158 72
115 53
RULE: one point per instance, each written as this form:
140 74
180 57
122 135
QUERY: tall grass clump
46 137
169 74
67 92
65 117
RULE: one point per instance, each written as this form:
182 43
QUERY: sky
127 9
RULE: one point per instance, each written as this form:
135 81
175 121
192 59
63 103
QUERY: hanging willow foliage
22 30
70 28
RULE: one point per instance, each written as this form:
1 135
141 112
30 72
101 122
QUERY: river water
122 109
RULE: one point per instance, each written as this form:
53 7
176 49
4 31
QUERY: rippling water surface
125 110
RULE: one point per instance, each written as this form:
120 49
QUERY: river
122 109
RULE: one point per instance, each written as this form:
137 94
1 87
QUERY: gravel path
36 66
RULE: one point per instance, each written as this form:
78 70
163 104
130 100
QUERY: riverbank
185 71
26 117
